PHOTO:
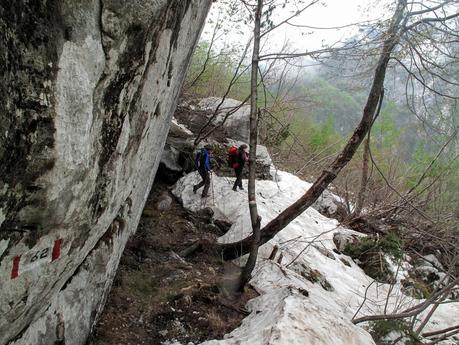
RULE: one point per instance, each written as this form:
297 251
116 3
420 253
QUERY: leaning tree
406 26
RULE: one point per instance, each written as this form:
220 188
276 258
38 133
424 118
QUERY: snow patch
294 308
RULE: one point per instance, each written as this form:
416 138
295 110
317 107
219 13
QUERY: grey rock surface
171 157
237 116
341 240
88 90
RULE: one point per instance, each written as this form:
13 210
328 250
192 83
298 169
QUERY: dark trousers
205 182
238 182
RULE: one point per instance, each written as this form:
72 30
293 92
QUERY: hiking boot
204 195
234 188
241 188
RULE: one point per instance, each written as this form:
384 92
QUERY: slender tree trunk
234 250
366 157
246 273
363 181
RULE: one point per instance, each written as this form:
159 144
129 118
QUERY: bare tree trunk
234 250
246 273
364 180
366 158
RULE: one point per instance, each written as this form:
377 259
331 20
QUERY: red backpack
233 154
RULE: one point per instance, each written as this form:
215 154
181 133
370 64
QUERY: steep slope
88 91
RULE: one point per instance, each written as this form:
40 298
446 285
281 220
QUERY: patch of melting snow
284 313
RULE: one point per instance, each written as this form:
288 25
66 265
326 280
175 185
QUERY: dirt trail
158 296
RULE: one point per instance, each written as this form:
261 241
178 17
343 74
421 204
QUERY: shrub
370 253
381 328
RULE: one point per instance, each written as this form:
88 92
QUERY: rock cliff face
87 89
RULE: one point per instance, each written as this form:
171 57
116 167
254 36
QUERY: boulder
330 205
341 240
170 158
164 202
177 156
236 125
431 260
178 130
88 92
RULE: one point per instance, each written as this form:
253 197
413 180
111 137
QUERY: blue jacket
203 160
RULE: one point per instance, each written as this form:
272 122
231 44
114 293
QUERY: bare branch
297 13
431 20
411 311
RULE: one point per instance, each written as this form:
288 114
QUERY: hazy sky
332 13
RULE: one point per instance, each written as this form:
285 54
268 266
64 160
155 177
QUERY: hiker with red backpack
236 160
204 168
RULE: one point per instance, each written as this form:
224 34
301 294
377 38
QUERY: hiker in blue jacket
204 168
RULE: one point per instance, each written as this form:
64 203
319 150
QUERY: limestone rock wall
88 88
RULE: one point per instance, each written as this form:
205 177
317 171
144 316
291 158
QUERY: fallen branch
441 331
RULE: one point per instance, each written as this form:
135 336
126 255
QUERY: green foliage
443 168
210 73
323 112
328 101
385 131
369 251
323 135
392 245
416 288
381 328
384 327
389 244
